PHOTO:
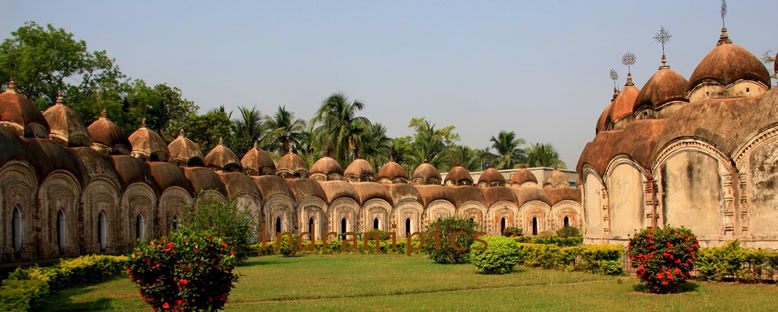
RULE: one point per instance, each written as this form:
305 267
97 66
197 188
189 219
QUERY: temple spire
663 37
143 122
614 76
181 132
104 114
59 99
12 85
724 37
629 60
221 141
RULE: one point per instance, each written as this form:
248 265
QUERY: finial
629 80
59 99
629 60
181 132
255 144
663 37
221 141
425 160
290 149
724 37
12 85
615 94
614 77
143 122
103 114
723 13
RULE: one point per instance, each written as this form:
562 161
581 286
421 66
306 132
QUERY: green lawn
393 282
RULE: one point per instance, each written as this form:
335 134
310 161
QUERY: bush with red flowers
188 271
664 257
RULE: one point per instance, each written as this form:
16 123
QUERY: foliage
568 231
340 129
376 145
247 130
441 250
508 148
25 287
205 129
190 271
499 257
599 259
664 257
733 261
225 219
288 248
769 58
464 156
430 144
551 240
336 247
543 155
512 231
160 106
284 131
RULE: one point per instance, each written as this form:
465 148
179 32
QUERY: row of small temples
700 153
67 189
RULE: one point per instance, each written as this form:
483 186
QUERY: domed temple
68 190
700 153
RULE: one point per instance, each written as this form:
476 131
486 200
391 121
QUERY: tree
340 128
486 157
543 155
283 131
226 219
45 61
159 105
376 145
464 156
205 130
768 59
430 144
507 146
442 251
246 130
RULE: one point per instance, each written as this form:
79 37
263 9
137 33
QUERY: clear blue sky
539 69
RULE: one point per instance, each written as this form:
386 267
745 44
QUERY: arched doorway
61 232
343 225
101 232
567 221
408 226
503 224
278 225
311 223
375 224
534 225
16 229
139 231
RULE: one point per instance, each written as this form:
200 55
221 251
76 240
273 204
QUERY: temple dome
185 152
19 115
359 171
665 86
292 165
107 137
522 176
392 173
65 127
458 176
257 162
556 179
222 158
148 145
491 177
622 105
325 169
425 174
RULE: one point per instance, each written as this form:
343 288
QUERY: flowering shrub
663 257
187 272
499 257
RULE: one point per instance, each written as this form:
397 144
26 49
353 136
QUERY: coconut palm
543 155
283 131
507 146
247 129
341 129
464 156
376 145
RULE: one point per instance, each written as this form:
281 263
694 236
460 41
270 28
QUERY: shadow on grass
686 287
61 301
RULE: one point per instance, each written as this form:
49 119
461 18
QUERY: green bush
599 259
512 231
335 247
287 248
551 240
664 257
732 261
22 295
224 219
568 231
190 271
499 257
441 251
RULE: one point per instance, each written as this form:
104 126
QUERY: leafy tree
159 105
430 144
225 219
507 146
205 129
486 157
47 60
283 131
246 130
442 251
341 128
543 155
376 145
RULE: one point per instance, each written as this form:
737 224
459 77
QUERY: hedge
551 240
600 259
335 247
740 264
25 287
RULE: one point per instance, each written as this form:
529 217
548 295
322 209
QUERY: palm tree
486 157
428 146
507 146
464 156
247 129
376 145
283 131
543 155
341 129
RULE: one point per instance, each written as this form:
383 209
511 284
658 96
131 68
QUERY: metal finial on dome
104 114
143 122
59 99
290 149
629 60
12 85
724 37
615 94
614 77
181 132
723 13
425 160
221 141
629 80
663 36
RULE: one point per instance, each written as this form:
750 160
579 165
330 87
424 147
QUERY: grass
393 282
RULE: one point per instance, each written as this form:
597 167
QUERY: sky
537 68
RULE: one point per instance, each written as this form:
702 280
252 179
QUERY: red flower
678 261
641 267
183 281
224 245
649 234
137 253
170 245
669 244
232 252
660 276
665 283
194 248
128 270
209 238
179 302
153 244
166 306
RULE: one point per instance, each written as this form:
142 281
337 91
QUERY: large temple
67 189
700 153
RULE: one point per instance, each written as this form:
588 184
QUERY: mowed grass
394 282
